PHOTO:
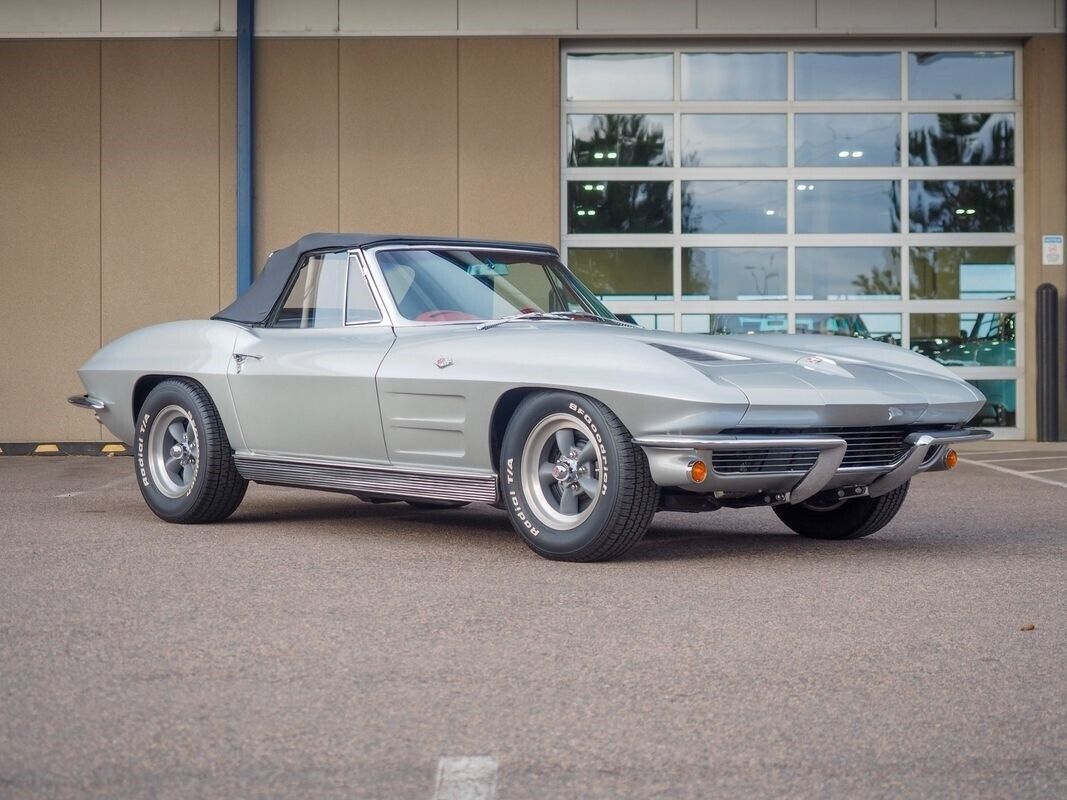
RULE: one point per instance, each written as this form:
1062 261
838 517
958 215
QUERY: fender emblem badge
443 361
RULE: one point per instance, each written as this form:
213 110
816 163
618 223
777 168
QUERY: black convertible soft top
255 305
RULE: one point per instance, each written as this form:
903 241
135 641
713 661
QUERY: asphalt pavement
315 646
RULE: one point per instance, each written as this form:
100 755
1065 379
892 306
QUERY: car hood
788 380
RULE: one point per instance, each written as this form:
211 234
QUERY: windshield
469 285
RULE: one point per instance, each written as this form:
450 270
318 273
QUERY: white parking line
1050 469
1013 472
466 778
994 452
112 485
1024 458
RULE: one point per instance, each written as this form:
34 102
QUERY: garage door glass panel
619 206
1000 404
971 140
969 339
847 140
620 76
848 206
986 75
847 76
636 273
839 187
733 140
733 207
963 273
879 327
725 324
733 76
962 206
620 140
734 273
848 273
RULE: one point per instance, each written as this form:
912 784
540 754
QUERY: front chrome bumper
670 458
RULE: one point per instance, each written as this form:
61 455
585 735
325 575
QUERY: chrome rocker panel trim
369 479
86 401
669 458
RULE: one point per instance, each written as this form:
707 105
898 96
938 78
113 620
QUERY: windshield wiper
581 316
525 315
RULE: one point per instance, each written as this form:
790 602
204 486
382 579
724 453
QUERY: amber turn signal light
698 471
951 459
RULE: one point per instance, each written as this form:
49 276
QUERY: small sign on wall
1052 250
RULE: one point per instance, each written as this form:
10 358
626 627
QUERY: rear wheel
848 519
184 464
575 485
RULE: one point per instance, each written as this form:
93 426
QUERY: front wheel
184 464
576 487
848 519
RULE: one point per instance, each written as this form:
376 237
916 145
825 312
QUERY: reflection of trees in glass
950 273
962 206
884 282
619 206
621 140
629 272
963 139
733 273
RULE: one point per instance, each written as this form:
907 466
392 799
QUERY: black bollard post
1048 383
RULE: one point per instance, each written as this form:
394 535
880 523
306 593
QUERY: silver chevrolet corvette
441 372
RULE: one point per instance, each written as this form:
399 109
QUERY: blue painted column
245 27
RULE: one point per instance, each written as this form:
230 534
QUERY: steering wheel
444 315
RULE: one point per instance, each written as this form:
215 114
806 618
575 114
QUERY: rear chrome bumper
670 458
86 401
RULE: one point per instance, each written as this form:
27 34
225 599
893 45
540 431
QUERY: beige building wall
1045 196
117 177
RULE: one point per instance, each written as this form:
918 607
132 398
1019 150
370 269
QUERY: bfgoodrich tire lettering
574 484
182 458
849 520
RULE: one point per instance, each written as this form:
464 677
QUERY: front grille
748 461
871 448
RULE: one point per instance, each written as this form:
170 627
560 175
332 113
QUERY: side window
315 299
361 305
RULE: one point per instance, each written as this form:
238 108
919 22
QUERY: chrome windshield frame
389 306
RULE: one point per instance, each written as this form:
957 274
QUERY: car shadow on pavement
674 538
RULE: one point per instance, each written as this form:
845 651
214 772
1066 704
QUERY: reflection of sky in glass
996 281
847 273
880 327
961 76
734 273
733 140
733 76
620 76
847 207
655 322
733 323
733 207
847 140
847 76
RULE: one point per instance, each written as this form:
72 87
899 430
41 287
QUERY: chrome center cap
561 472
176 451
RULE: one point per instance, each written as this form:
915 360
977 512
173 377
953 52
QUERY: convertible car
443 372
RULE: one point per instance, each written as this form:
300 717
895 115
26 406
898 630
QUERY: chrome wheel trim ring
174 452
550 469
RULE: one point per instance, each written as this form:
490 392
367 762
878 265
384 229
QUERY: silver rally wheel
174 451
562 471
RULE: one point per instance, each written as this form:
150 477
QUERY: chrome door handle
241 358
